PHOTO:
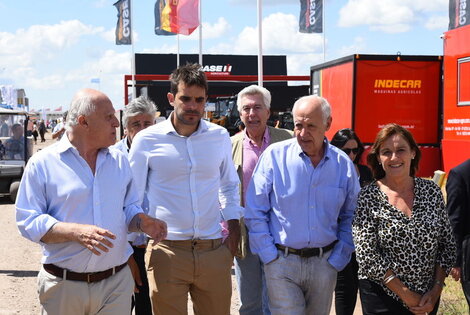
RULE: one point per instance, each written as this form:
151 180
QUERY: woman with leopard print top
404 243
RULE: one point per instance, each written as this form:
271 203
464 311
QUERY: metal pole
133 54
260 43
200 32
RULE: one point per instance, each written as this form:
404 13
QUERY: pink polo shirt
251 154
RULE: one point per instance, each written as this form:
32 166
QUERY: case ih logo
463 12
218 69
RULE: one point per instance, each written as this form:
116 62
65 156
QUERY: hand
155 228
233 236
411 299
94 238
427 302
456 273
135 273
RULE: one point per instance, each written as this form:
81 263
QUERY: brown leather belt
78 276
308 251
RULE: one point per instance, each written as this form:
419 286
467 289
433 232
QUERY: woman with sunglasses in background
347 281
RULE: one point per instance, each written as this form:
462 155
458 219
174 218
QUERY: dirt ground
20 263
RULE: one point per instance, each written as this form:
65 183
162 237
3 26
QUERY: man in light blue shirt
138 115
185 166
77 200
299 209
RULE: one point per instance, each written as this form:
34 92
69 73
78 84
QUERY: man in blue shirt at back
299 208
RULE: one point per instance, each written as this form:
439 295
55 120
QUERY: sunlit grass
452 299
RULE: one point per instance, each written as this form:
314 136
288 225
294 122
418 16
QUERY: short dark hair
344 135
386 132
190 74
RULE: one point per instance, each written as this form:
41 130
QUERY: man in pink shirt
253 104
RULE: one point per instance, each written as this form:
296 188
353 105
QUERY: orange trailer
456 123
367 92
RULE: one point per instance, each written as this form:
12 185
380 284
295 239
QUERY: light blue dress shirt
58 186
135 238
292 203
191 182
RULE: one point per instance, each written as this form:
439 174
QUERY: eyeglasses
348 151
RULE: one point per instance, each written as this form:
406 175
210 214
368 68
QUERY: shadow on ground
20 273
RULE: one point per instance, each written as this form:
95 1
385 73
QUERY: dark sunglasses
348 151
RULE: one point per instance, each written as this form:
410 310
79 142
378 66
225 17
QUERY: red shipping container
367 92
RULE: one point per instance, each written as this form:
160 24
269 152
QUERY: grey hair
138 106
254 90
82 104
325 106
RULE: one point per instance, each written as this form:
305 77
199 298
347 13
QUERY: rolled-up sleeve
257 210
365 234
229 196
31 217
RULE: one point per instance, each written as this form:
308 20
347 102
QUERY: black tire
14 190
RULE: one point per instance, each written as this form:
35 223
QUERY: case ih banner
123 27
311 18
459 13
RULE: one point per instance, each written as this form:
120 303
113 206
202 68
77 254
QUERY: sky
53 48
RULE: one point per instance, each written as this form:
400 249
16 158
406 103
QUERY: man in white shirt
138 115
59 129
185 165
78 201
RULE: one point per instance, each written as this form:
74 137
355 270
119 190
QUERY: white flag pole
260 43
177 50
132 49
200 32
323 29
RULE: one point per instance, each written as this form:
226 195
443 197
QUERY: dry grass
452 299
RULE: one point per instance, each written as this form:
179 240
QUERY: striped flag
176 16
311 18
159 6
123 27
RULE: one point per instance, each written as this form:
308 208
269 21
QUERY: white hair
138 106
254 90
325 106
82 104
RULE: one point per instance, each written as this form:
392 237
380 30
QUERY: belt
308 251
78 276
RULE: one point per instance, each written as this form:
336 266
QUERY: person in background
403 238
253 104
138 115
42 130
458 208
347 281
15 145
298 211
35 132
59 129
185 167
77 200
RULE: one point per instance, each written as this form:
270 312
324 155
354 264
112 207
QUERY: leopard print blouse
385 238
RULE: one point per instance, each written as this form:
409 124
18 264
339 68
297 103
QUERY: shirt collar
167 126
64 144
327 152
265 136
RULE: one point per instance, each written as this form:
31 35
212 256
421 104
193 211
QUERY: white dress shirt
135 238
191 182
58 186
